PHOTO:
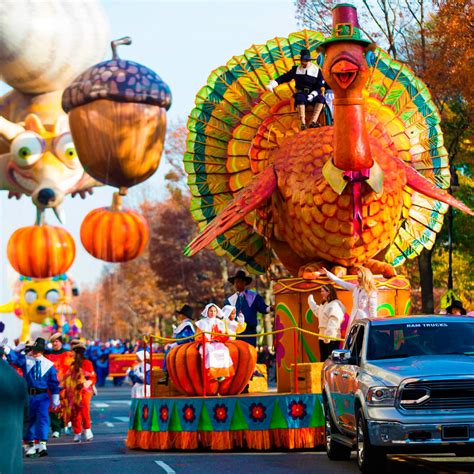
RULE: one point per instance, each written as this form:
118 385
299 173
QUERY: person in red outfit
78 384
62 360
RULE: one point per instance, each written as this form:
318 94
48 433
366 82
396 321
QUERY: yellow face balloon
38 298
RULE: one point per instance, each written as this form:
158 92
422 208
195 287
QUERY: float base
258 422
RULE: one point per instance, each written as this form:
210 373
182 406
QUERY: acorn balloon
117 115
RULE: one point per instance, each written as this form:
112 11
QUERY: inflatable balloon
35 301
42 163
117 113
43 46
41 251
114 234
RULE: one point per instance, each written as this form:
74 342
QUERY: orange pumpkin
184 364
41 251
114 234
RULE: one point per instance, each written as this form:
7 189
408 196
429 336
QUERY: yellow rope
277 331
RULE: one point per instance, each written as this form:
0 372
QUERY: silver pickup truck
401 385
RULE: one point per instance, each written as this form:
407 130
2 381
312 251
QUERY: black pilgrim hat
242 276
186 310
456 304
39 345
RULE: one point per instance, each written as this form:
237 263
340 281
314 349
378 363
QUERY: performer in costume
41 377
233 325
308 82
139 377
62 360
247 302
364 294
330 314
218 362
184 328
78 383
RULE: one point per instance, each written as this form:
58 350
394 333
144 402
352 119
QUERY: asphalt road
107 453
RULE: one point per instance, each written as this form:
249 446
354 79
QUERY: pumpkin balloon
184 365
114 234
41 251
117 115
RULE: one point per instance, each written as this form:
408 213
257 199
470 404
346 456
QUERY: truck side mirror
341 356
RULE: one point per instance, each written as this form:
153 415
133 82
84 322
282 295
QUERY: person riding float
308 82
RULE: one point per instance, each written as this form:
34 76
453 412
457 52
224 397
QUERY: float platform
254 421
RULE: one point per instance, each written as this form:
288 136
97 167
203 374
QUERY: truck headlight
381 396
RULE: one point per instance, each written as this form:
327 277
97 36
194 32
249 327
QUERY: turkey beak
344 72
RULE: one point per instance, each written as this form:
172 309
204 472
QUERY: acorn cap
118 80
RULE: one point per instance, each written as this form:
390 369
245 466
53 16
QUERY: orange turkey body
314 220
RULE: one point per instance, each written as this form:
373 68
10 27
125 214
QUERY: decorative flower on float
220 413
257 412
164 413
189 413
297 409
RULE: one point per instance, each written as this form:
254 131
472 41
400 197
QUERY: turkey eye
30 296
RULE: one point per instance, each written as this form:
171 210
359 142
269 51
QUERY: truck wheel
370 459
335 451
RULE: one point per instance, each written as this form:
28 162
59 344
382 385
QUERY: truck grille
438 394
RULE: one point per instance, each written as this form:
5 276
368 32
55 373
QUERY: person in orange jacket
78 383
62 360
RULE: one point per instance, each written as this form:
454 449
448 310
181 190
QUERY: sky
183 41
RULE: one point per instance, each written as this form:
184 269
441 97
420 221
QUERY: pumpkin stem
39 216
115 43
123 190
116 203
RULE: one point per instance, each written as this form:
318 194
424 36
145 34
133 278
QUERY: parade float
368 189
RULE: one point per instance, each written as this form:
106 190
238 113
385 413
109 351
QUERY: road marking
101 405
110 425
123 419
165 467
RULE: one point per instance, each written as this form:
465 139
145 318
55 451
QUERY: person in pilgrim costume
211 329
41 377
330 314
184 328
309 83
137 375
234 324
247 302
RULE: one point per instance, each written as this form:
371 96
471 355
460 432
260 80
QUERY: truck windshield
420 338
